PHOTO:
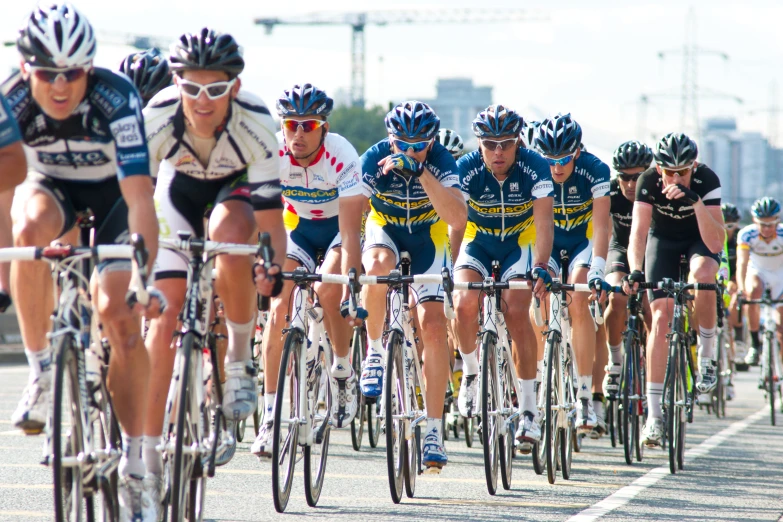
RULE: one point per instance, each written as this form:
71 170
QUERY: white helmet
57 36
452 141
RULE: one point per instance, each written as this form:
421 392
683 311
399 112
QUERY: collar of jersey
318 157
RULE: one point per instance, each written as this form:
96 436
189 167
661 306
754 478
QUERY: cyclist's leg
704 269
6 240
473 265
582 336
42 212
754 288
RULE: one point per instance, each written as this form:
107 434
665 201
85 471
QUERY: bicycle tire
469 429
393 405
68 480
670 399
627 388
506 446
611 421
110 440
180 476
719 393
315 455
769 346
489 404
413 445
373 422
682 397
551 428
358 349
569 438
284 450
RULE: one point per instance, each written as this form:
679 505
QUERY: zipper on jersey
502 211
70 156
408 203
562 203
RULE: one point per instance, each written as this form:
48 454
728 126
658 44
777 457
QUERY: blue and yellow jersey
400 201
9 129
574 199
501 210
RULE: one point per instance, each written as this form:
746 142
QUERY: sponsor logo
225 163
185 159
295 175
3 113
95 127
346 171
127 132
133 157
40 140
107 99
309 196
18 100
572 190
256 138
73 159
514 187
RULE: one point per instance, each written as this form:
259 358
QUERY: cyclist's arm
350 220
543 220
640 226
711 229
723 270
455 239
601 225
137 192
448 202
271 221
743 255
13 165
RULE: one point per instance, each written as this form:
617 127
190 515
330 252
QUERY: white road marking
624 495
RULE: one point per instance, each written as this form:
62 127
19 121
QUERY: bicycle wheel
552 400
468 428
627 388
200 426
373 422
682 398
413 445
769 350
671 387
506 449
393 411
358 349
719 393
110 441
183 463
568 436
315 455
285 439
68 426
489 409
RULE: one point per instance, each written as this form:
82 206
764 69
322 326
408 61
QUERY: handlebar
266 252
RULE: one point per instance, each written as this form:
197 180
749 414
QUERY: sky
593 59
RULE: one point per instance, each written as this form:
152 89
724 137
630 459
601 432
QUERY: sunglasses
305 125
405 146
503 145
681 171
731 226
769 224
629 177
565 160
213 91
50 75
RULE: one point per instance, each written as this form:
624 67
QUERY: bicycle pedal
432 470
524 448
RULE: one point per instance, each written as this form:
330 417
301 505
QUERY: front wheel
358 349
489 410
394 398
552 400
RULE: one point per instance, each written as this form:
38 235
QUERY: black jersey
675 219
622 212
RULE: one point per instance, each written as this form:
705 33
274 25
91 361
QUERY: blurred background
624 70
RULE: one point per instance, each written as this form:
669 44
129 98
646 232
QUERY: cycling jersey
731 253
9 129
245 143
622 213
400 201
103 138
499 210
674 218
763 255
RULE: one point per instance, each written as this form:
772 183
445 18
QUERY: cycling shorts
515 260
307 236
662 259
428 247
580 254
183 204
617 260
773 280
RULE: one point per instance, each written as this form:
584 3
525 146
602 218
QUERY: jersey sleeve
441 164
709 190
127 126
600 185
745 236
158 116
9 129
373 179
466 176
258 141
348 169
645 185
541 175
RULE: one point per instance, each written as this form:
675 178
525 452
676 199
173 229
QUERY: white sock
540 371
470 364
132 461
707 348
269 406
585 383
153 460
375 347
341 367
616 352
239 336
654 396
433 426
40 362
528 389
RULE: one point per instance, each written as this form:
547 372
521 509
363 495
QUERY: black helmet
632 154
149 72
675 150
209 51
304 100
57 36
731 213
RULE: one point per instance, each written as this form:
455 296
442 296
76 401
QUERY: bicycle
629 407
770 365
81 407
718 396
401 411
499 387
191 439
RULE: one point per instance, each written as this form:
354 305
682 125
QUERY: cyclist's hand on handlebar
156 304
543 281
631 282
361 314
600 289
268 284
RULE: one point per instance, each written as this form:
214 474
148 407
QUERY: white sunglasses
213 91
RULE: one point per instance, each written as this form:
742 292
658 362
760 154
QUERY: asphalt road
734 471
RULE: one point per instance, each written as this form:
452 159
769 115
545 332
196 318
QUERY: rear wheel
373 422
285 441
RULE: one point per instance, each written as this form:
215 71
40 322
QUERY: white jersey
312 192
764 256
246 144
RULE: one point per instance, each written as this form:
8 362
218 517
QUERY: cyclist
413 187
509 193
149 72
13 165
214 149
629 160
760 265
452 141
581 231
678 202
319 171
731 220
84 138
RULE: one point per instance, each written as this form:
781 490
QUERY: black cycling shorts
662 258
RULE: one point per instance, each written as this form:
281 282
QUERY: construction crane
359 20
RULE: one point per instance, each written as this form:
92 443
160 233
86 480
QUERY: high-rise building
457 102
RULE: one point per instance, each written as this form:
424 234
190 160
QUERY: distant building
457 102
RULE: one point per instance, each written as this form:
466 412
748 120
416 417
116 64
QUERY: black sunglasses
629 177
